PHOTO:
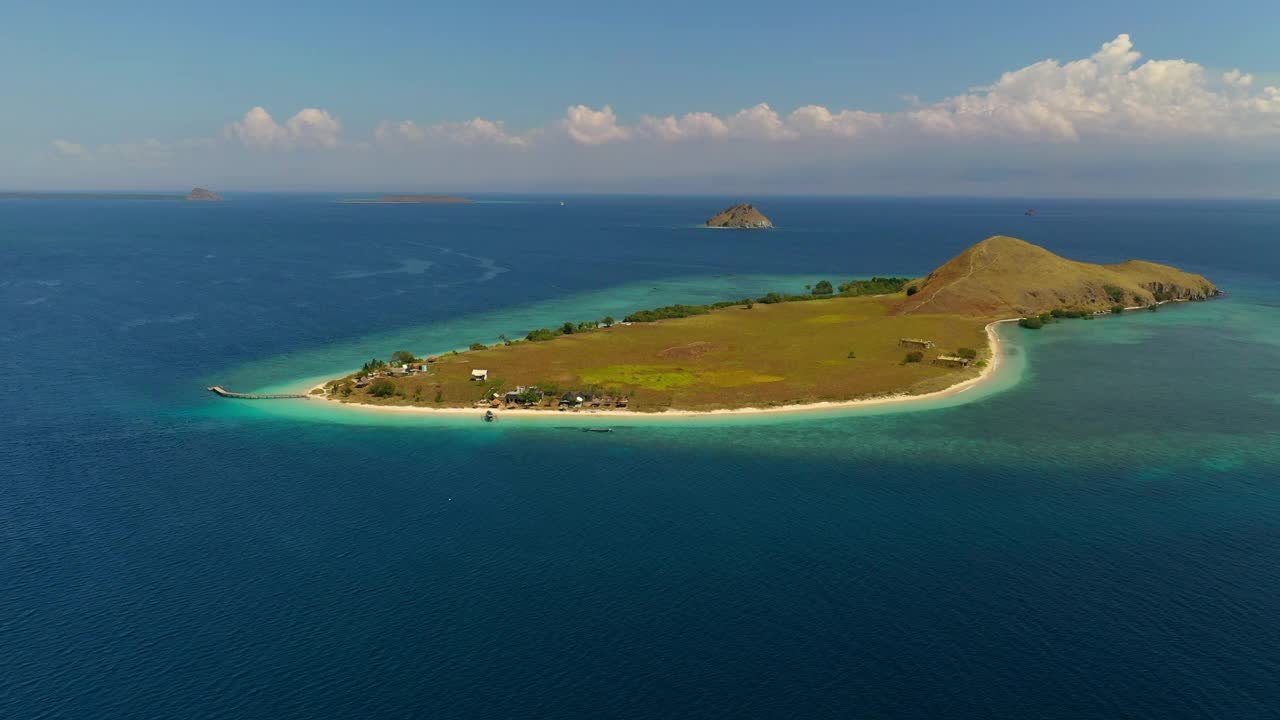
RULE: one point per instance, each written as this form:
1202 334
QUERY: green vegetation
852 355
913 290
823 288
478 346
914 356
401 357
1033 322
372 366
874 286
966 353
1117 309
382 388
1115 293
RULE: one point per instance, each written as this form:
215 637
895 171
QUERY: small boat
599 429
489 416
1031 212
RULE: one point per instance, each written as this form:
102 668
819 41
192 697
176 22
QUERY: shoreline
994 344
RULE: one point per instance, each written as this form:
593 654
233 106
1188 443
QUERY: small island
742 216
861 340
411 200
202 195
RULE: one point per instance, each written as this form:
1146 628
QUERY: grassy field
768 355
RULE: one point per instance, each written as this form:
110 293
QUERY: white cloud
1237 79
309 128
593 127
758 122
68 148
476 131
692 125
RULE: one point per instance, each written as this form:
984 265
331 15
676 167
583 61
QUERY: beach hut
951 361
479 375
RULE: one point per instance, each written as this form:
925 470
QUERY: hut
951 361
915 343
479 375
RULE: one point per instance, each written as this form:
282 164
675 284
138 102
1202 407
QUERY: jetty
223 392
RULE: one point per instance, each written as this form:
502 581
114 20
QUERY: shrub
1031 323
1117 309
439 395
400 357
967 353
914 356
541 334
382 388
874 286
912 290
608 320
770 299
852 355
567 328
478 346
372 366
822 288
1116 294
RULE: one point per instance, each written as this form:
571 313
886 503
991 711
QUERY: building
479 375
915 343
951 361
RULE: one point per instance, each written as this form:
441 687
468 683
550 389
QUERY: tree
967 353
1117 309
608 320
478 346
852 355
372 366
1115 293
1031 323
505 340
914 356
382 388
402 357
823 288
912 290
567 328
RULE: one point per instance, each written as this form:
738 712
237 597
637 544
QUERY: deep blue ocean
1097 537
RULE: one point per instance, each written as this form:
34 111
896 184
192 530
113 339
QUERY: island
862 340
742 216
411 200
202 195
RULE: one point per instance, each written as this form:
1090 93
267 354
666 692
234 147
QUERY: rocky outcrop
203 195
743 216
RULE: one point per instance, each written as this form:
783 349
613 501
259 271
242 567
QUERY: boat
599 429
489 416
1030 212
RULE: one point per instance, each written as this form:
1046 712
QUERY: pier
223 392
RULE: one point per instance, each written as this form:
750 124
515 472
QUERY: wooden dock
223 392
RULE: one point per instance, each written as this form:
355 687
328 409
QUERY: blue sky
105 77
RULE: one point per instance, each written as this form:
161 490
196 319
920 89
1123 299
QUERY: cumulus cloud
67 148
593 127
692 125
309 128
476 131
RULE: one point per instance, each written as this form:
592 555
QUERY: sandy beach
986 374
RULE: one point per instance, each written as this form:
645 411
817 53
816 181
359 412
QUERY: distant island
203 195
411 199
865 340
742 216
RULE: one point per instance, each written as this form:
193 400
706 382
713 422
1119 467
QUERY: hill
203 195
1004 276
743 216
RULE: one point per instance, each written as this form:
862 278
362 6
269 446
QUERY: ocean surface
1094 535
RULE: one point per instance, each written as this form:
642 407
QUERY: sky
1090 98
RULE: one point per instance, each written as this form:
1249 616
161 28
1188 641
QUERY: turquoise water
1093 534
